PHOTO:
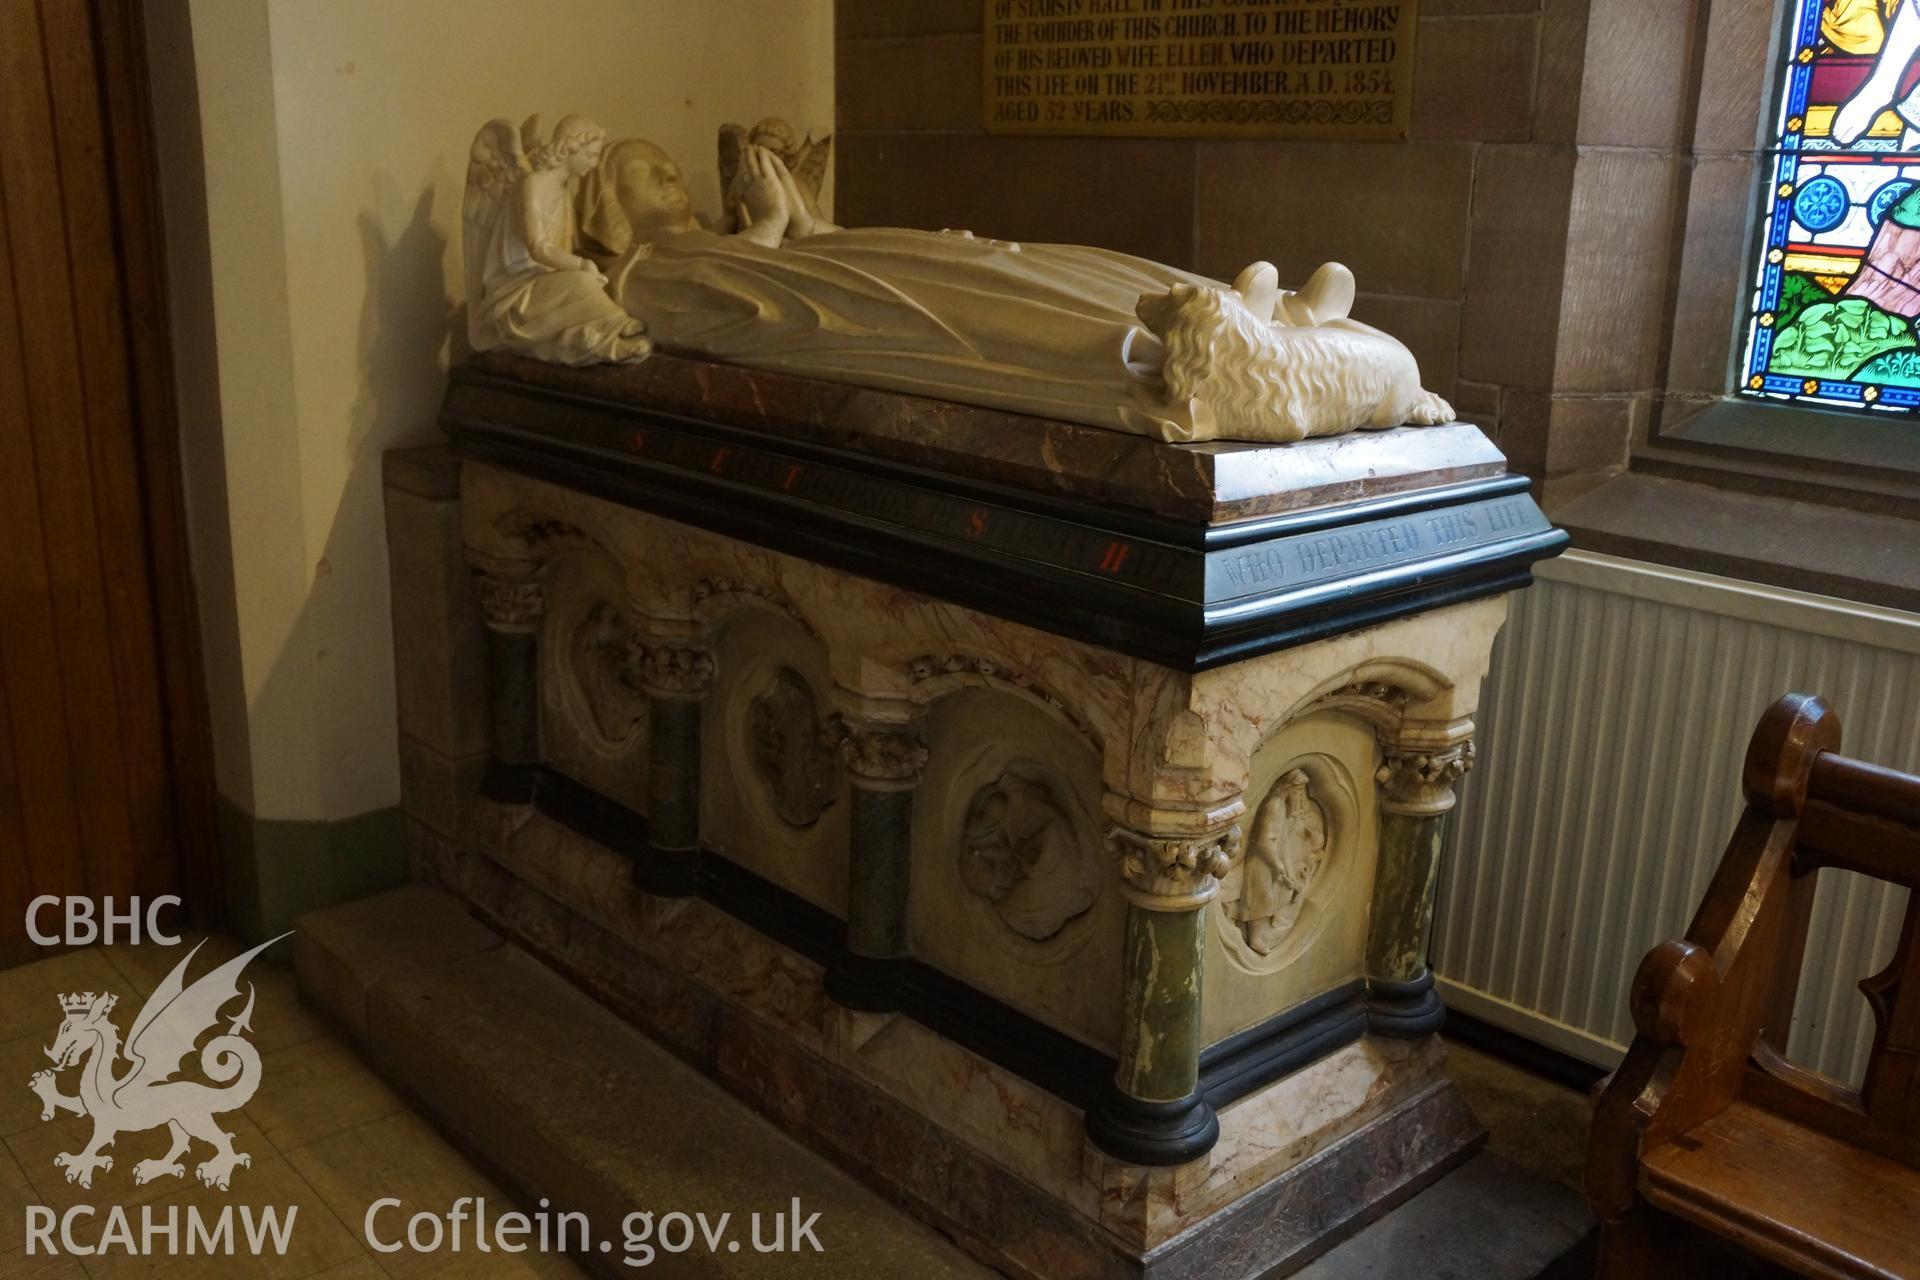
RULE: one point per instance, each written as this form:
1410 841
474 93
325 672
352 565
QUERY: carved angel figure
528 289
1060 331
805 161
1288 848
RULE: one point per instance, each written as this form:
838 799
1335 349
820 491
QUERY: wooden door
105 788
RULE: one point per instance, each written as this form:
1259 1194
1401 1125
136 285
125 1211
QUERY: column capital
880 756
1418 781
1173 872
675 670
511 605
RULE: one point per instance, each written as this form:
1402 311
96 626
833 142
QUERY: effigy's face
651 192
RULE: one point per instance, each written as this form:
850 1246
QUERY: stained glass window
1837 285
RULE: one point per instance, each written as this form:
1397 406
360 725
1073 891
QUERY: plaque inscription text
1199 68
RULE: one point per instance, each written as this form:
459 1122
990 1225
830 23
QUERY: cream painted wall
334 139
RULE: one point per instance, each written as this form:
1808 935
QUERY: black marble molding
1179 593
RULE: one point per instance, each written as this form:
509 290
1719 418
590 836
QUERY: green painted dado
278 869
673 774
882 837
1160 1045
1402 920
513 670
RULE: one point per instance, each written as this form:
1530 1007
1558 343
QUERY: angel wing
175 1016
497 160
495 165
808 165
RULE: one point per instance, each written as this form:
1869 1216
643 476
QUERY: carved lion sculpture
1243 376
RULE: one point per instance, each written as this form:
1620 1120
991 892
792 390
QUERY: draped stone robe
1041 329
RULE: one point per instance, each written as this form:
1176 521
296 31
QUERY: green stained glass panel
1837 281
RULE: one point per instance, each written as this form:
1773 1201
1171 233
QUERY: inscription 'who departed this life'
1341 553
1199 68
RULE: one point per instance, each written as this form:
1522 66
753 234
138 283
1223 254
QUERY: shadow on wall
405 321
336 666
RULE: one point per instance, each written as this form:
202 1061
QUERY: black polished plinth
1406 1009
871 984
1152 1133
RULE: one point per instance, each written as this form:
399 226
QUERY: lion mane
1242 378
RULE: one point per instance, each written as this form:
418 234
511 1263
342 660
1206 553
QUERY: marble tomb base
1039 820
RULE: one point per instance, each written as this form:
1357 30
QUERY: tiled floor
324 1134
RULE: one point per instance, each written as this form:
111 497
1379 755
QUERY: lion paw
218 1172
147 1170
1430 410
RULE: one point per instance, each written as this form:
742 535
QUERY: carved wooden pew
1706 1128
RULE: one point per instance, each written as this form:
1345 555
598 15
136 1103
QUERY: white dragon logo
145 1095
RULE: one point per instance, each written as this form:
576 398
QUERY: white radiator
1610 738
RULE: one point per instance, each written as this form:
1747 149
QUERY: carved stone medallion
1021 851
1286 853
791 755
604 653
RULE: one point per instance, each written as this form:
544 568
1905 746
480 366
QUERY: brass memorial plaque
1199 68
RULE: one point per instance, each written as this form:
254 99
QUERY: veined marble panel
1291 918
593 715
773 797
1013 891
1265 1134
1170 741
1415 679
888 643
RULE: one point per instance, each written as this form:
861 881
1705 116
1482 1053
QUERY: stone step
558 1098
1490 1219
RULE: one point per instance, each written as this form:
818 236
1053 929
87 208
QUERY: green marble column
882 837
676 680
1416 794
883 768
1153 1114
1402 919
1160 1053
513 608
